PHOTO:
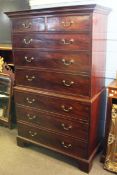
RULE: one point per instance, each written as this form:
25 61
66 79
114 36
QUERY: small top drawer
28 24
68 23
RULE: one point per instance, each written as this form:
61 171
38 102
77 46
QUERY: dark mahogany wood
69 23
65 61
99 32
28 24
66 83
70 108
60 64
53 122
63 143
52 41
76 9
107 128
97 120
58 23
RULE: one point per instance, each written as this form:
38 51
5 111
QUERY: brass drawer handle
66 146
27 25
30 101
67 84
66 109
31 117
30 78
67 63
67 42
67 23
32 133
29 60
27 41
66 127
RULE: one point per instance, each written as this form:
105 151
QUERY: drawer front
68 23
52 41
52 122
59 82
65 61
28 24
66 107
59 142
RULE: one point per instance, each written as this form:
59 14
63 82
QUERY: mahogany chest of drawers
59 56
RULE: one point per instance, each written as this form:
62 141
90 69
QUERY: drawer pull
67 63
31 117
27 25
27 41
30 78
66 109
67 23
66 146
29 60
67 84
66 127
32 133
67 42
30 101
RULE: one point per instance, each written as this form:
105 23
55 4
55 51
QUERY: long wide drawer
53 122
52 41
62 106
64 61
57 141
76 84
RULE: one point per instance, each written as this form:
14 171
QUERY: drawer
69 23
64 83
61 143
63 106
65 61
28 24
52 41
53 122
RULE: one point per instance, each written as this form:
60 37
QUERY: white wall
111 64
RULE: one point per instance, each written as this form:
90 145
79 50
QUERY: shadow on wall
5 27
